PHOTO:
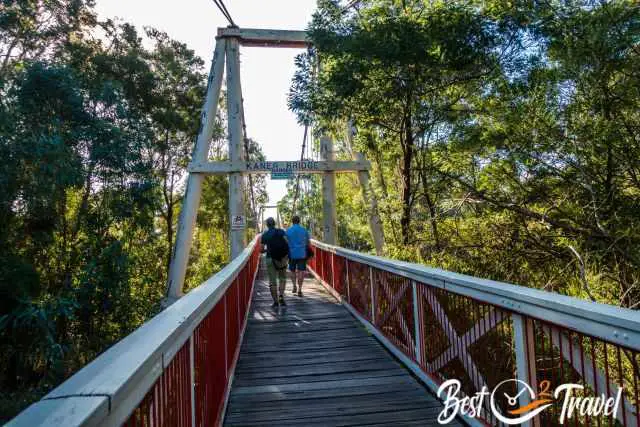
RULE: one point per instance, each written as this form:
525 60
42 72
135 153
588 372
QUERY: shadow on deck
312 363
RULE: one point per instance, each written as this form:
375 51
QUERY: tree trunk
407 157
432 211
384 206
368 196
167 192
424 167
170 223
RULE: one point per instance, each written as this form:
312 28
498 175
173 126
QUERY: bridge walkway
312 363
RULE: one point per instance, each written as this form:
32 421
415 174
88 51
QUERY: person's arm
264 245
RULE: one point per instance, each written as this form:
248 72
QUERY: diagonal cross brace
394 300
458 348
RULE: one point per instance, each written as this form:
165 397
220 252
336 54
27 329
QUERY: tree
398 67
520 161
94 139
179 91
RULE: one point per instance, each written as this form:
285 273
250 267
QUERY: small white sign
238 222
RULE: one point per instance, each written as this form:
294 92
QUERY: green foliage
308 205
95 136
503 135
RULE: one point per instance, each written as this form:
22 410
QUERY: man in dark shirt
274 242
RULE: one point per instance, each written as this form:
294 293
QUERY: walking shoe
294 289
300 294
282 301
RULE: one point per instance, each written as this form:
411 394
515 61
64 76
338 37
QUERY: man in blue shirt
298 239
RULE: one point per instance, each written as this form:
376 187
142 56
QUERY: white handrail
610 323
107 390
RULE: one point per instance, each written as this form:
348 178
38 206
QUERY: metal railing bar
245 323
391 347
128 370
614 324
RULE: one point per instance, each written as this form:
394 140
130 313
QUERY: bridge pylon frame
227 52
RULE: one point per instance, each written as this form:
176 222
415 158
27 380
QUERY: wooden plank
369 416
299 342
414 397
303 346
268 361
309 364
321 356
262 315
379 373
289 321
306 347
260 398
341 408
328 401
323 385
322 369
273 360
304 326
304 337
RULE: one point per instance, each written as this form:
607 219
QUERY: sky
266 73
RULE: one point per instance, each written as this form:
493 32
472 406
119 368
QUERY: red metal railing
194 386
460 329
562 355
175 370
465 339
168 403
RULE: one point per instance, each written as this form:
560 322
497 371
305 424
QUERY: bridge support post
369 197
236 152
374 219
373 296
417 324
328 193
191 202
524 343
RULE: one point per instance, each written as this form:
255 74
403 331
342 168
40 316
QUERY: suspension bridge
371 343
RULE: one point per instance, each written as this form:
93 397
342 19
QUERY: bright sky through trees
266 73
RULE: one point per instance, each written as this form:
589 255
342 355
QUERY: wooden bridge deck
312 363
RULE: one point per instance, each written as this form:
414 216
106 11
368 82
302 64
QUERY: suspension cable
245 140
304 144
349 5
224 11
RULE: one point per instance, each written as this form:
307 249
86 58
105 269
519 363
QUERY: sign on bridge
281 175
283 167
283 170
279 167
238 222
